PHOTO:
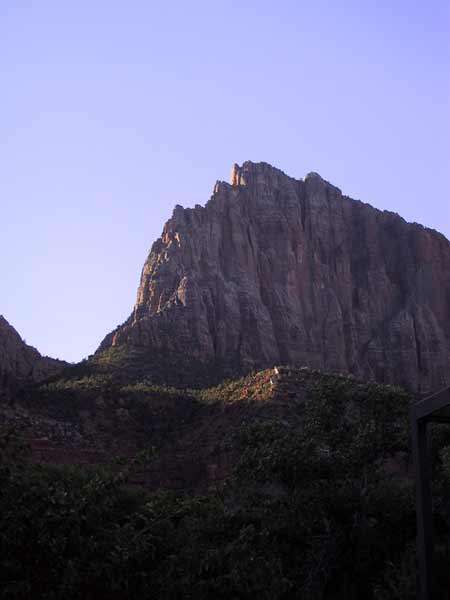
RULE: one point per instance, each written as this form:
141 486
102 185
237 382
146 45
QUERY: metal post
422 465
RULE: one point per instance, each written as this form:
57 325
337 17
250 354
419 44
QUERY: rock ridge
20 363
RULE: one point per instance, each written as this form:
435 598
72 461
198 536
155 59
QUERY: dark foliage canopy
322 509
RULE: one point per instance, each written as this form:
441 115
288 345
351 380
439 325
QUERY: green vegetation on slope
320 506
129 364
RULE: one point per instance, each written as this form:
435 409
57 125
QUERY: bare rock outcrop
277 270
20 363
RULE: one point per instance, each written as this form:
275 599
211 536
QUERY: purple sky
113 112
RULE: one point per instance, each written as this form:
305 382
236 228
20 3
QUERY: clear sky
114 111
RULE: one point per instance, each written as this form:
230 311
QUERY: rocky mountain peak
277 270
255 174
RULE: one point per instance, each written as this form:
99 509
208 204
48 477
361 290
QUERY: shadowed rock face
278 270
20 363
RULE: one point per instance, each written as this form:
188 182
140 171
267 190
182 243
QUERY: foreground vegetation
319 507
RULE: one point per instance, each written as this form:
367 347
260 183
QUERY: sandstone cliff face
277 270
20 363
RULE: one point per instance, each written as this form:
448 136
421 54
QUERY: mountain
274 270
20 363
278 479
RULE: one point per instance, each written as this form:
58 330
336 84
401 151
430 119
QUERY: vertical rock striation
278 270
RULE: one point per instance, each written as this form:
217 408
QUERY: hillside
190 431
302 488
